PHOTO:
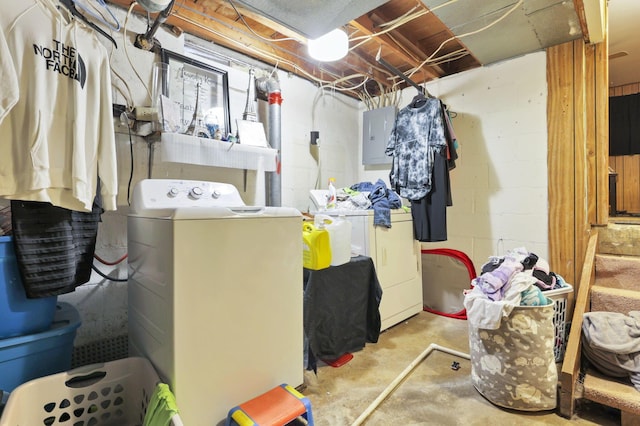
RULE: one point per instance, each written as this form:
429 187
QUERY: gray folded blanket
611 342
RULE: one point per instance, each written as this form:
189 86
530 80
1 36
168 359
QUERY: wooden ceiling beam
277 28
366 26
402 41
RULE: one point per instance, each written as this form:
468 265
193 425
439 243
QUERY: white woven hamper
112 393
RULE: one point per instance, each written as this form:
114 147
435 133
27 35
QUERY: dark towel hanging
54 246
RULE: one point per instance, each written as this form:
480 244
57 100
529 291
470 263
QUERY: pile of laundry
611 342
367 195
519 278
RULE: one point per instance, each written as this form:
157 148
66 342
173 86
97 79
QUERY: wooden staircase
610 281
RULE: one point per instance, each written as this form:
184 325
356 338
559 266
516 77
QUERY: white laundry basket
113 393
514 365
560 298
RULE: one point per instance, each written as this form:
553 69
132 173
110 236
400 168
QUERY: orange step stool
277 407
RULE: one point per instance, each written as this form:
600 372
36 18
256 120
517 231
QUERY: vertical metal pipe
270 87
274 197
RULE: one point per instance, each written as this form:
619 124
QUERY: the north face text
64 60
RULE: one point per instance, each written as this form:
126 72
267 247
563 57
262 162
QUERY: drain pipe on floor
394 384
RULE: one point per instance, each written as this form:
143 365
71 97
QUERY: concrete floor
432 394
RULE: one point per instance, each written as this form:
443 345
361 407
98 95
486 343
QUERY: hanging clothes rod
400 74
71 5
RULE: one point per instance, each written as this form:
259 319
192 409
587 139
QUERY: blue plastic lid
65 320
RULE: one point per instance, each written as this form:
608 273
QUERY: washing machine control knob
216 194
173 192
196 192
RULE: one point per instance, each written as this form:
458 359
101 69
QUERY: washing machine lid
192 199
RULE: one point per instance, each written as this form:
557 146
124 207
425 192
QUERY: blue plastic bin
18 314
31 356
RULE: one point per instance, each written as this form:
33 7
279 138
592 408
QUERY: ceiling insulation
524 26
312 18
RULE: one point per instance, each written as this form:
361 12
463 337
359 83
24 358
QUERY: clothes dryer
215 294
395 254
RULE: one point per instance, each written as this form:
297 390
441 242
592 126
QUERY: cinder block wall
500 183
499 186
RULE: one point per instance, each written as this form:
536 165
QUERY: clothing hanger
452 114
98 16
71 6
418 100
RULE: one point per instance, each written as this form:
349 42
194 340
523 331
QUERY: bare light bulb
330 47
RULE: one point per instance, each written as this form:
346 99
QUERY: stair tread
611 392
619 239
618 271
617 291
614 299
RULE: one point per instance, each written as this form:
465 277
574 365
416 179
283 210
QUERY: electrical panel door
377 125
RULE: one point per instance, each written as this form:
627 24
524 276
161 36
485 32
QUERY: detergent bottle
316 248
331 198
339 237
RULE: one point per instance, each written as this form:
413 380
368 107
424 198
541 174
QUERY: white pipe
394 384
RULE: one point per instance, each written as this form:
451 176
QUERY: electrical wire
105 262
274 69
260 52
387 97
126 52
401 20
325 83
409 16
273 57
264 54
393 25
128 97
105 276
131 156
333 86
509 12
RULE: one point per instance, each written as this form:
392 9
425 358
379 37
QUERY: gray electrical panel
377 125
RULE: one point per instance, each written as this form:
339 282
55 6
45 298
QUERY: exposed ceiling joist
429 39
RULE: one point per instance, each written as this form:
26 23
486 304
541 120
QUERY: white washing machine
215 294
395 252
